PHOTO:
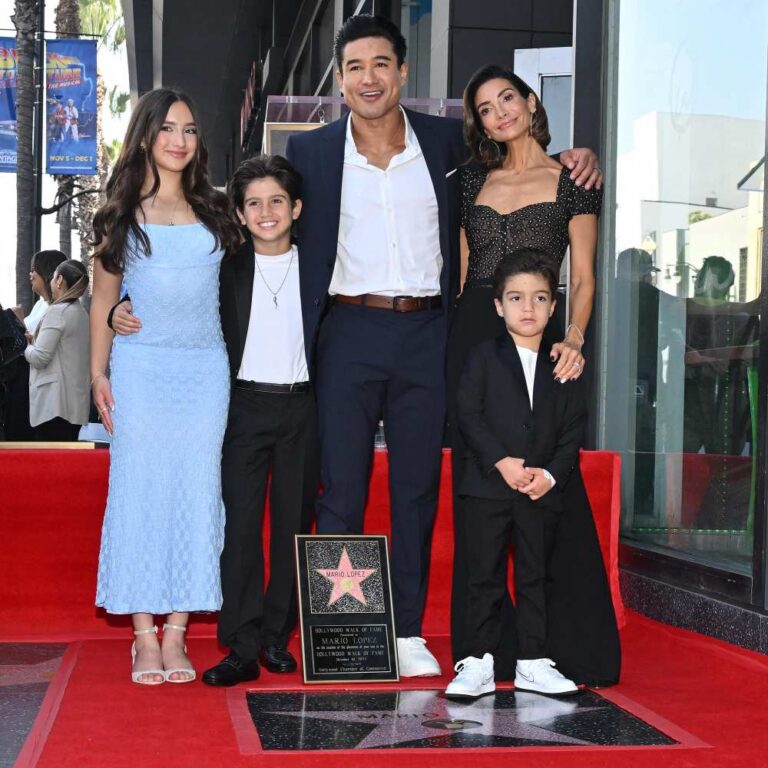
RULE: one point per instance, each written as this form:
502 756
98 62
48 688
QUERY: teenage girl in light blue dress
162 394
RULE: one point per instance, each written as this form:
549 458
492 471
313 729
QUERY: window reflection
682 312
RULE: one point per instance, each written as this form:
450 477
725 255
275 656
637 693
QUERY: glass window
681 312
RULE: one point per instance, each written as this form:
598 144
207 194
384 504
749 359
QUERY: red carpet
695 689
713 692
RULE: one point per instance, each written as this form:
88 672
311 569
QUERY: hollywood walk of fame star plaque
345 606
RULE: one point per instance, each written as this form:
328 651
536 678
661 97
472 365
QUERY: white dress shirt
274 345
528 359
389 233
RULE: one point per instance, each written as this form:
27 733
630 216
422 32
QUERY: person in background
16 419
41 271
59 393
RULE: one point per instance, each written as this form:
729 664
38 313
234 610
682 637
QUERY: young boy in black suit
271 443
524 430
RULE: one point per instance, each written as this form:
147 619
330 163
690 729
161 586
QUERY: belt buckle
398 303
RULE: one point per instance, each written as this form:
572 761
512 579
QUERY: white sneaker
540 676
414 658
474 678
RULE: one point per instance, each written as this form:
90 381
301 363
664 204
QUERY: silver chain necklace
264 279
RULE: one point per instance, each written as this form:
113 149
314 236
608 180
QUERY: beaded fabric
491 235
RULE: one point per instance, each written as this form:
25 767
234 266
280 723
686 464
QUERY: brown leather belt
396 303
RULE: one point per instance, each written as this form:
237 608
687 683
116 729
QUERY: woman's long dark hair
474 135
117 217
45 263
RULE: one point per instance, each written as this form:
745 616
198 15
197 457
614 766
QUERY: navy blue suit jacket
319 157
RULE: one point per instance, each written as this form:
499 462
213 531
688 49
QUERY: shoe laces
470 664
414 640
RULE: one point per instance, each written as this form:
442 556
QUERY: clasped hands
528 480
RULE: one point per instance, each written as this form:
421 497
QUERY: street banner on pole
7 105
71 107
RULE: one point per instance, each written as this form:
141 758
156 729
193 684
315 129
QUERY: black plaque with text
345 606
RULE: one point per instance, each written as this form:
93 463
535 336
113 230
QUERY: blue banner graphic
7 105
71 107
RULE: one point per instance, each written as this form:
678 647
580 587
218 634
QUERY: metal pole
39 120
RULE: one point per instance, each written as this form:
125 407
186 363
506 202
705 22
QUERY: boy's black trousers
530 528
266 432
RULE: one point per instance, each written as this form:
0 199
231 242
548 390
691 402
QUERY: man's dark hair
364 25
525 261
263 167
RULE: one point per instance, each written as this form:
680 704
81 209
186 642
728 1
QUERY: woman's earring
530 124
483 147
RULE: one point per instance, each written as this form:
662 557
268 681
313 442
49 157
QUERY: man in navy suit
379 245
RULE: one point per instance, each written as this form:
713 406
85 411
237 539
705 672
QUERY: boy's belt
395 303
273 389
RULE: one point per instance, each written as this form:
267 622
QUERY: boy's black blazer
235 296
318 156
496 420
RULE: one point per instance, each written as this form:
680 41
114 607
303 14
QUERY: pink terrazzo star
346 580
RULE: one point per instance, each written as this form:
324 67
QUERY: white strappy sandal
139 673
183 670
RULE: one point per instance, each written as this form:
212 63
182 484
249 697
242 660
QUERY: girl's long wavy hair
116 219
474 134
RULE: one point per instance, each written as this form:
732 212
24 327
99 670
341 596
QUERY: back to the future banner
7 105
71 107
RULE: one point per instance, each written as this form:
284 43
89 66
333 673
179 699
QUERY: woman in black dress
515 196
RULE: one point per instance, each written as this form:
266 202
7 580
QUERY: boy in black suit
524 430
271 440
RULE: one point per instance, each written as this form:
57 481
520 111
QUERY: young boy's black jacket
496 420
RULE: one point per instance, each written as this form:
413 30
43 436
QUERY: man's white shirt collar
412 147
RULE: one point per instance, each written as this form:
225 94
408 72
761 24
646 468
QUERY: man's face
370 78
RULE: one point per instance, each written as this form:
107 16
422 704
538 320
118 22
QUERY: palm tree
25 20
104 19
67 25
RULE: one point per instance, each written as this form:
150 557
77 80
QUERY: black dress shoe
277 659
231 671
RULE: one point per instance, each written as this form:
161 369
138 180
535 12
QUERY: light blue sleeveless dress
164 524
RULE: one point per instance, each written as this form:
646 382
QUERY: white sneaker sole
429 673
531 688
484 691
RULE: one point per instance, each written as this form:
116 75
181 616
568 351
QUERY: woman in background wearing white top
43 265
59 389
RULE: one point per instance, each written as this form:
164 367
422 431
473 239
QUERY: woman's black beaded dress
582 626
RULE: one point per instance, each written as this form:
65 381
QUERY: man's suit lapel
246 272
435 160
511 359
332 170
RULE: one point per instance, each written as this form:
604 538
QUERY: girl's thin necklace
264 279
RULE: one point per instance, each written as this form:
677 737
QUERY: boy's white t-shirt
528 359
274 345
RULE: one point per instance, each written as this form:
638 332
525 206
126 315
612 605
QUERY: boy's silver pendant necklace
264 279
